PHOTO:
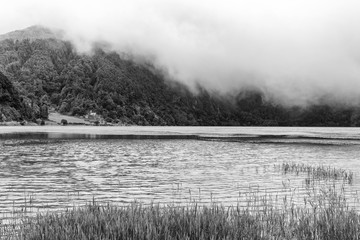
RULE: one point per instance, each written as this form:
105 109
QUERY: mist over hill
40 71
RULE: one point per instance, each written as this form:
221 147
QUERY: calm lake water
54 168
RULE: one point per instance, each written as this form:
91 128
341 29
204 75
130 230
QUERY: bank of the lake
324 215
58 167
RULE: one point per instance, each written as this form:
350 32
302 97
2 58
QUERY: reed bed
324 215
319 172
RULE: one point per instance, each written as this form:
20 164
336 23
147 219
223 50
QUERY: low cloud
294 51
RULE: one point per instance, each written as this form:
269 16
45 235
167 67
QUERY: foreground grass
326 216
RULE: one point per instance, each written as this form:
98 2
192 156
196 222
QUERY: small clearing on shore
57 117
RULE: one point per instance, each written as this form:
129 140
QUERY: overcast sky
294 50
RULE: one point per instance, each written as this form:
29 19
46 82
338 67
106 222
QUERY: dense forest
41 73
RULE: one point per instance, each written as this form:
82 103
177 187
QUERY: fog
296 51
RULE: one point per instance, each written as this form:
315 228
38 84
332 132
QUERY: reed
318 172
325 215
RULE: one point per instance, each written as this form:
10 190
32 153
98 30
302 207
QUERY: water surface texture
54 168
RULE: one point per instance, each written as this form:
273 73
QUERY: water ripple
57 174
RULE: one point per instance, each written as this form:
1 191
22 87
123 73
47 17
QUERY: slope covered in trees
48 72
12 106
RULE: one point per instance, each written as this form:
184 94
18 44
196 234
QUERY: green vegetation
11 105
324 214
64 122
49 73
318 172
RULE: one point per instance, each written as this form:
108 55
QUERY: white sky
296 50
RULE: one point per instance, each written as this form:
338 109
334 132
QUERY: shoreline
257 134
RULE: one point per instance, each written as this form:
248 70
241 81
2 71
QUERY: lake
55 167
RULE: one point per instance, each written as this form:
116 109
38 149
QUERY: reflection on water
59 173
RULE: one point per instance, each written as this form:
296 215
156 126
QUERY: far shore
54 118
298 134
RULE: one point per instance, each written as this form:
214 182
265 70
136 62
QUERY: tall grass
318 172
323 213
325 216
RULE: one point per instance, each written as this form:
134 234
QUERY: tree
64 122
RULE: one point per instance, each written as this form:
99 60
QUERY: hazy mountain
44 71
32 33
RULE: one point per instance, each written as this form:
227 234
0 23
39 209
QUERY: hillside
48 72
12 107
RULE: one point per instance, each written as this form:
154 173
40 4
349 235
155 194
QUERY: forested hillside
46 72
12 106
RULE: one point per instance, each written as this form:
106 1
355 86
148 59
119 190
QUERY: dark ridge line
262 139
235 137
324 144
45 135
